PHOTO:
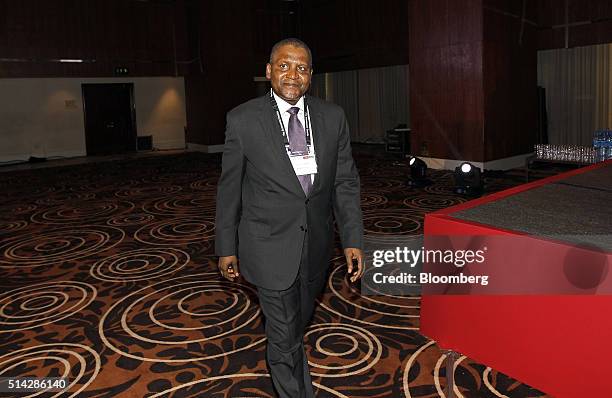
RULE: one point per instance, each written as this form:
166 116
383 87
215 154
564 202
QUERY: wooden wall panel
550 12
111 32
446 79
273 22
590 22
235 39
589 10
355 34
226 69
510 81
473 79
597 32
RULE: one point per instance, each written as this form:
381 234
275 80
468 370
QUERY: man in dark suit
287 168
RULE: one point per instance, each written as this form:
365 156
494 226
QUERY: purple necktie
297 143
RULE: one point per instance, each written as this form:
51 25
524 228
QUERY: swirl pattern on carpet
107 276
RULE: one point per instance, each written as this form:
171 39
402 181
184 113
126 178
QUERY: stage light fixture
418 173
468 180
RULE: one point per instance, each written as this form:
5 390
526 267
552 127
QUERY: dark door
109 118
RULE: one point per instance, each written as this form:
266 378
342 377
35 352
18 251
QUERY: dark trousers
287 313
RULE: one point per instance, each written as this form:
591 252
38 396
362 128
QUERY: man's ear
268 71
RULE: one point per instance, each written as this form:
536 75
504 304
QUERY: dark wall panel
596 32
235 38
588 22
110 33
354 34
446 100
510 81
473 79
227 70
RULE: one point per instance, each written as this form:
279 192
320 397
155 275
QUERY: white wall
44 117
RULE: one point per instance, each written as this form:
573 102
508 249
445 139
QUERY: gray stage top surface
577 209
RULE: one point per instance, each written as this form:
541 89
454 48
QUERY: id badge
304 164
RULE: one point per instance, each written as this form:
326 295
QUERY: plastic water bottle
600 142
597 145
603 145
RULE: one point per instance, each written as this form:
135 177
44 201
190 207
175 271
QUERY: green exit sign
121 71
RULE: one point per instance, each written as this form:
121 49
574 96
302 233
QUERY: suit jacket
262 212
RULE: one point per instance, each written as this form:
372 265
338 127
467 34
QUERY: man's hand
228 266
351 254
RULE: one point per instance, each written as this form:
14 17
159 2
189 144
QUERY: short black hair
295 43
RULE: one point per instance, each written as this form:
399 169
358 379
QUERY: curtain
603 98
578 92
375 100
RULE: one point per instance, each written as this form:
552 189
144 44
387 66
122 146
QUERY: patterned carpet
106 277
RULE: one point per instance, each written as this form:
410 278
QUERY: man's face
289 72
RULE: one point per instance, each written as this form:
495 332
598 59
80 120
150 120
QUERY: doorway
110 118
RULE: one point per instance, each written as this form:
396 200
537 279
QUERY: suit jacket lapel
269 123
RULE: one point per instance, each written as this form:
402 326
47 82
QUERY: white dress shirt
283 107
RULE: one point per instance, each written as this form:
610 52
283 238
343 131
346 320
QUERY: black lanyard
282 126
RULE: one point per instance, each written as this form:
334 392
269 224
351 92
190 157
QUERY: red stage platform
560 344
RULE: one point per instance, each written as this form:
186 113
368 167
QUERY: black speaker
144 143
542 130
